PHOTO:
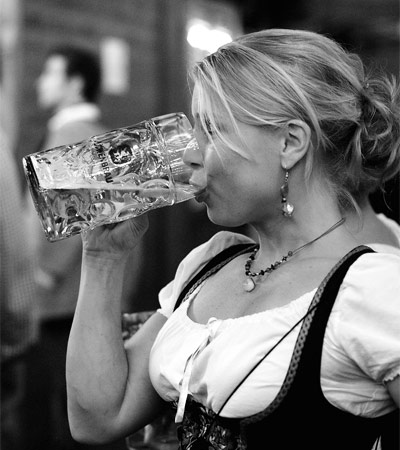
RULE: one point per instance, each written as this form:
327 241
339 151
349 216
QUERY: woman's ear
297 143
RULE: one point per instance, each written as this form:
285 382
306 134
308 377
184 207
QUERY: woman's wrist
102 281
104 260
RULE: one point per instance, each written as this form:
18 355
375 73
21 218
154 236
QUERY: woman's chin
221 219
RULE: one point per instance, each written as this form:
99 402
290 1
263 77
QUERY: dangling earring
287 208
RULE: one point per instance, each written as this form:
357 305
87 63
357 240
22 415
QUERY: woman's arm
394 390
109 390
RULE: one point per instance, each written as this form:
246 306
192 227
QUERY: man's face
53 87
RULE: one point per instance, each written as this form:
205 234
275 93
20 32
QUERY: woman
270 347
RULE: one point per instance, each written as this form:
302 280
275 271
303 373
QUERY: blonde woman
289 342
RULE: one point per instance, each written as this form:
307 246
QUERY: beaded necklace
253 277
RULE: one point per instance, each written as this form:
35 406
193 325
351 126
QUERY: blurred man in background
17 300
68 88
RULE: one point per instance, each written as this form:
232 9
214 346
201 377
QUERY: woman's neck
369 229
328 235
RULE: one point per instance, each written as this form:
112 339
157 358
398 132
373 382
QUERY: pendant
249 285
287 209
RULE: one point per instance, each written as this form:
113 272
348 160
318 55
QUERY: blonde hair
269 77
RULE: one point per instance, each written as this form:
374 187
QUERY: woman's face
239 189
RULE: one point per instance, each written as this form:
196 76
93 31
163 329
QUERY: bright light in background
115 56
203 36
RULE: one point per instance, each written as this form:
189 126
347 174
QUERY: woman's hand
131 322
115 239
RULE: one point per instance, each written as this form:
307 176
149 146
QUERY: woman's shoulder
392 224
194 262
374 276
380 259
381 264
202 254
366 314
394 227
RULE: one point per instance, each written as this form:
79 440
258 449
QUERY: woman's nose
192 155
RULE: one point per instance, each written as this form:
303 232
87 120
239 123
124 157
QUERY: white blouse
361 346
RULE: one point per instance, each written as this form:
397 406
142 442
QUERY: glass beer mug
111 177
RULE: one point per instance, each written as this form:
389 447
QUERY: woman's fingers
116 237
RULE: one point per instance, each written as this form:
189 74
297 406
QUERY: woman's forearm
97 367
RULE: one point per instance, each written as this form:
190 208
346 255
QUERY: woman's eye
208 127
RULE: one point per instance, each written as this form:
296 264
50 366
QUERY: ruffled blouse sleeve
192 264
367 322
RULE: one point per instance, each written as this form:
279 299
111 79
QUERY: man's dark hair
83 63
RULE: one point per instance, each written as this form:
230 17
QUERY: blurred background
145 48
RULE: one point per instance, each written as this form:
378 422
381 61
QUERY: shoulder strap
311 337
327 289
213 265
